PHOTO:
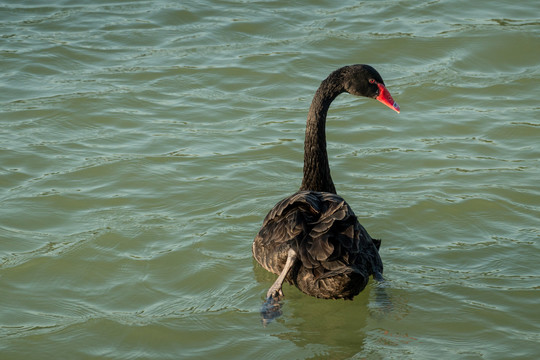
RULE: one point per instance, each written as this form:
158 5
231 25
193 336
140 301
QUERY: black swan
312 239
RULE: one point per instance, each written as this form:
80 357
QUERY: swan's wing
323 230
285 225
337 242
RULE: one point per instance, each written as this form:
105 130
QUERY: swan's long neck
316 167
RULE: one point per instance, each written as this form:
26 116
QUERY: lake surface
143 142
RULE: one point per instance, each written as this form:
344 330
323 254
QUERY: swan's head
364 80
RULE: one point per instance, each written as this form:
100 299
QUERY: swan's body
312 239
335 254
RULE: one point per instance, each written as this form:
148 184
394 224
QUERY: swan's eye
372 81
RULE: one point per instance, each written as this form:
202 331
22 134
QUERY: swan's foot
271 308
275 292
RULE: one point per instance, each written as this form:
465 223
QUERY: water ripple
142 144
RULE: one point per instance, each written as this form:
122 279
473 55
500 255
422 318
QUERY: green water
143 142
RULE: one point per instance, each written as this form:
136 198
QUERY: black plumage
336 255
313 239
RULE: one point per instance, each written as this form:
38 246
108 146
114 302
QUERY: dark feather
336 255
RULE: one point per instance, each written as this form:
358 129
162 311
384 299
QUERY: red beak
386 98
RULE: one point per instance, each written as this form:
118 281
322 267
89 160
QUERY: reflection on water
383 305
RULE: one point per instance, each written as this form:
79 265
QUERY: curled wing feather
323 230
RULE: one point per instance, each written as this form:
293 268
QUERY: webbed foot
271 309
